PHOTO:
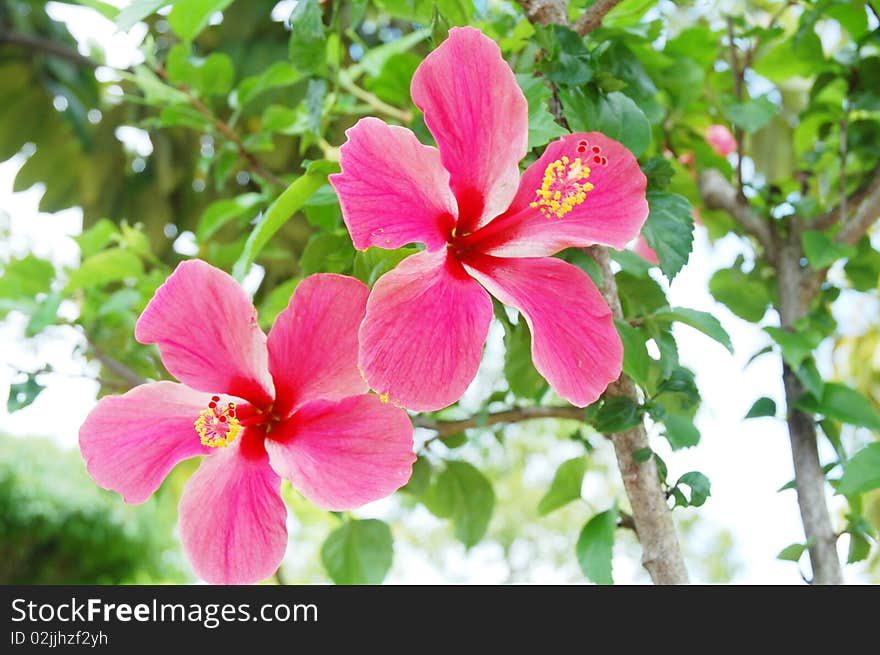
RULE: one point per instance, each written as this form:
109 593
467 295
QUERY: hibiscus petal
232 518
206 329
611 213
392 189
313 346
131 442
479 117
341 455
575 345
422 337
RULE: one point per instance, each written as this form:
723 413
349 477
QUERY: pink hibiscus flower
721 140
292 406
485 228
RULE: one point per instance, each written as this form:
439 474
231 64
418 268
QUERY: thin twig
46 47
403 115
844 126
718 193
593 17
224 129
865 215
446 428
738 73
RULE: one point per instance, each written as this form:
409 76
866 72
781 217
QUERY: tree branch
545 12
403 115
593 17
809 476
652 520
224 129
866 214
46 47
718 193
832 216
446 428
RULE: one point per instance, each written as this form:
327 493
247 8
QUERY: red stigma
597 149
215 398
582 149
212 404
597 159
221 418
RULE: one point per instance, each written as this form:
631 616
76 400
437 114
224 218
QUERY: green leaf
862 472
859 548
112 265
373 263
669 230
569 60
137 10
456 440
614 114
821 251
22 280
520 372
699 486
219 213
792 553
97 237
680 431
659 173
358 552
636 362
595 546
189 17
745 294
762 407
810 377
461 492
307 39
617 414
844 404
863 269
279 212
374 59
276 301
208 76
542 126
22 394
566 486
795 346
328 253
279 74
751 115
702 321
44 315
420 479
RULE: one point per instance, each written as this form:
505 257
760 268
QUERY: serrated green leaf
699 485
669 230
565 487
680 431
543 128
358 552
617 414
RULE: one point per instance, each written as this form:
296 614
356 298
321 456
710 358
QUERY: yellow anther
384 397
563 188
217 427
